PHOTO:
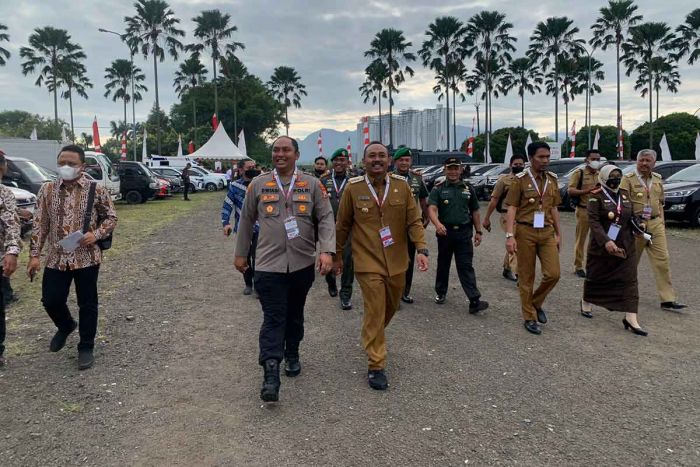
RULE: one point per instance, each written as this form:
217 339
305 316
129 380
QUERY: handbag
105 243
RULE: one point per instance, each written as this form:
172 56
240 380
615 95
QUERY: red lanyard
540 194
374 193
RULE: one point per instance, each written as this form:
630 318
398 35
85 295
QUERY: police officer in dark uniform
454 210
335 182
403 159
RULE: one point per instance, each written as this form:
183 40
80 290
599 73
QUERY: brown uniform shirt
502 186
590 179
359 214
639 195
523 195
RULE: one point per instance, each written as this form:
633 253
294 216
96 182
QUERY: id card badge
613 231
385 235
291 227
646 212
538 222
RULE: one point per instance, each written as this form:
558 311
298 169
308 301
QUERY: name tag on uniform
291 227
385 235
613 231
646 212
538 222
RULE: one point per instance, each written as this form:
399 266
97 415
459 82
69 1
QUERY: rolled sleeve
249 215
323 212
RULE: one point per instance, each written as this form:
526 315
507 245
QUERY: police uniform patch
302 208
301 184
356 179
270 184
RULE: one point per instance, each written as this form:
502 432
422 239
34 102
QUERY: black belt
458 226
530 224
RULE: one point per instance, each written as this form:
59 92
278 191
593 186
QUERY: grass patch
71 407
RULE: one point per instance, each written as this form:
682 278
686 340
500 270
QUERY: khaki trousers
510 261
581 237
532 244
381 296
657 251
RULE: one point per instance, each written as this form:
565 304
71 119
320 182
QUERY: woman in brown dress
611 280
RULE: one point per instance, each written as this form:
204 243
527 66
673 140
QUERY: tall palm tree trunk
70 104
155 74
55 89
235 114
380 115
216 94
556 103
618 82
487 126
194 120
522 110
391 123
454 117
478 121
286 118
651 100
657 103
125 124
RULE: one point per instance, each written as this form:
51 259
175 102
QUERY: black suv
682 194
138 184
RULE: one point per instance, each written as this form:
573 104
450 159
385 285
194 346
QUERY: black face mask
613 183
517 170
252 173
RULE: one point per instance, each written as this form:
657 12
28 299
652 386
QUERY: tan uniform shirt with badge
524 196
502 186
644 195
590 180
360 214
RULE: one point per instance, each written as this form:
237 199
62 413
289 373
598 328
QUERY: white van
100 168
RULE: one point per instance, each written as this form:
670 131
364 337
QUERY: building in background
417 129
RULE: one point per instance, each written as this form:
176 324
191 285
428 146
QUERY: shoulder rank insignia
356 179
654 174
399 177
552 174
521 174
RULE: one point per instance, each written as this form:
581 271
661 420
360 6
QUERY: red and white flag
96 136
349 148
123 153
214 122
190 147
470 146
365 132
319 141
620 139
572 151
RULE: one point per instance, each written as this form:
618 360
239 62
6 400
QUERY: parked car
25 200
470 171
25 174
484 184
212 181
664 168
164 189
170 173
682 195
100 168
138 183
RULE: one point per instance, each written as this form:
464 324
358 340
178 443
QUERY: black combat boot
271 382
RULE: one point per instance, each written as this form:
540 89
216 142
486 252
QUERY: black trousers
409 271
282 296
347 277
55 288
250 272
185 188
459 244
3 330
7 291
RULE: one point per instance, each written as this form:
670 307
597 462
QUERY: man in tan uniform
532 202
500 191
647 193
382 215
582 184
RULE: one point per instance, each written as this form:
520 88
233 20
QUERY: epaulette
521 174
399 177
356 179
440 180
416 173
630 175
654 174
553 174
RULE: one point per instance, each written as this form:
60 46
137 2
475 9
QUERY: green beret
402 152
342 152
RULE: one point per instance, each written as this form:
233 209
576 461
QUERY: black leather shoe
440 299
508 274
541 315
533 327
292 367
672 306
377 380
637 331
345 304
85 359
581 273
59 339
270 391
477 306
248 290
332 290
406 298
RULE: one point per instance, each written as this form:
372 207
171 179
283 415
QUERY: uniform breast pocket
270 205
362 208
302 204
530 196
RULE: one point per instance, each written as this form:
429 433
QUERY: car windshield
32 171
689 174
483 169
198 171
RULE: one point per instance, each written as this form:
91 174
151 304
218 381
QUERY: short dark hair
592 151
364 153
295 143
73 148
3 161
321 158
515 157
242 162
533 147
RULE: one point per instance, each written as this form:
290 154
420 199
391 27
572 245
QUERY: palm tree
4 53
189 76
586 66
497 83
234 72
566 77
48 49
523 75
489 42
87 140
373 87
689 41
153 30
442 48
663 72
285 82
118 75
117 129
390 48
646 42
213 30
447 81
553 40
610 28
72 76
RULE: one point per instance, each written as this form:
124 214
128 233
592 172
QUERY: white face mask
67 172
595 165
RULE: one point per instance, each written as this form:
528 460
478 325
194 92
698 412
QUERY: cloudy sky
325 41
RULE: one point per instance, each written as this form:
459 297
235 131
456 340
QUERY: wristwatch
423 251
509 235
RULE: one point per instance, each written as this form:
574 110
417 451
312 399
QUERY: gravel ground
176 380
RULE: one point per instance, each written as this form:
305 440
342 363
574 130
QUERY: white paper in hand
71 241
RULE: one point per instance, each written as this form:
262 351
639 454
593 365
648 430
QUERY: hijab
604 175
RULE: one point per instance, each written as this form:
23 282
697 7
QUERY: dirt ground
176 380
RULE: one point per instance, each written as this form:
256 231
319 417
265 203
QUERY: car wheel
695 220
210 187
133 197
193 188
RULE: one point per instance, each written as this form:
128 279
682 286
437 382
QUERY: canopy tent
219 147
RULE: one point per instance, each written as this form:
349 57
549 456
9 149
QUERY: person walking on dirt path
62 213
10 245
500 191
186 181
380 212
290 207
234 203
532 203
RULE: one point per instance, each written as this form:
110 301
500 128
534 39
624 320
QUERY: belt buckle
455 227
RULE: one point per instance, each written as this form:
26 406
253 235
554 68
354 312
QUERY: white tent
219 147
